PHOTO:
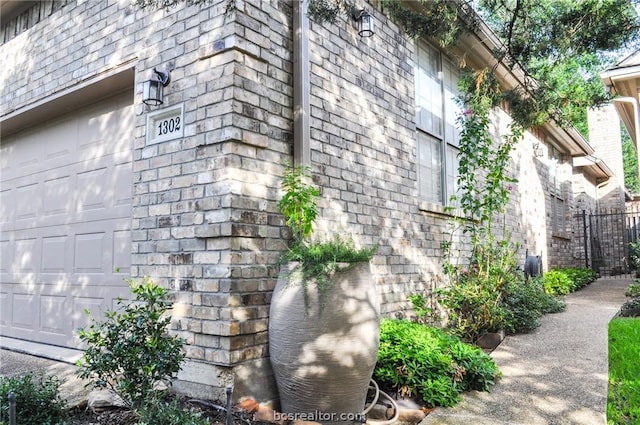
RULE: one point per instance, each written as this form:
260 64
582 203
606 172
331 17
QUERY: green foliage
525 302
634 254
325 10
633 291
564 55
567 280
561 58
419 303
38 400
320 260
580 276
623 404
475 294
167 4
441 19
157 411
556 282
564 28
130 350
419 360
482 170
298 204
631 304
630 161
474 305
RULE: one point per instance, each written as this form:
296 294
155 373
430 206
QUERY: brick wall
205 220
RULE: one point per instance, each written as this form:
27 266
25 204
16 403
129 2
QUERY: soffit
593 166
11 8
74 98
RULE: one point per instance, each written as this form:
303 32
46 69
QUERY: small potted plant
324 320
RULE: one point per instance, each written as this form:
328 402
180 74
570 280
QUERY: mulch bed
211 410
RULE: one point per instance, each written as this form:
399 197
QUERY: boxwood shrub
423 361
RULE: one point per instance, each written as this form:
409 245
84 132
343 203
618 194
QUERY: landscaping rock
101 400
410 416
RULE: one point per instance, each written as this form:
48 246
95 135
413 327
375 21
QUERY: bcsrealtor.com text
318 416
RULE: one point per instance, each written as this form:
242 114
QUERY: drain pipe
301 85
598 187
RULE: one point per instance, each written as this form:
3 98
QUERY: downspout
301 87
598 187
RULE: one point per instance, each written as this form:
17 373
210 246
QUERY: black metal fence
607 236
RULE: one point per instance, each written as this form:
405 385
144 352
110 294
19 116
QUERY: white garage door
65 214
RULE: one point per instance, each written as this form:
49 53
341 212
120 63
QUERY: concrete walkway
556 375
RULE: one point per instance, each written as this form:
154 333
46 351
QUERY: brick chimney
606 139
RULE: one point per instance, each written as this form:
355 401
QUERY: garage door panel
54 316
26 254
25 315
6 256
54 254
91 190
65 218
123 184
122 252
5 309
58 195
28 202
89 252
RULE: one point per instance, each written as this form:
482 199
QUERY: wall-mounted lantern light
537 150
365 22
152 90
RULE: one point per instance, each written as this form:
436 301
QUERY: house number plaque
166 124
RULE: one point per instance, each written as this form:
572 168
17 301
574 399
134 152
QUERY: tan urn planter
323 360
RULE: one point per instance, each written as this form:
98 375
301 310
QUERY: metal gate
608 241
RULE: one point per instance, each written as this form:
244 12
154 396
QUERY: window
436 80
556 184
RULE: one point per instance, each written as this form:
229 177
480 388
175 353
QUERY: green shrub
633 303
160 412
633 291
419 360
131 350
556 282
419 303
525 302
38 400
634 254
473 304
580 276
623 404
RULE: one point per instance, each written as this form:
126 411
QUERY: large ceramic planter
323 360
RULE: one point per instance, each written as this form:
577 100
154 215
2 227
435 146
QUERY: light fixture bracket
364 20
163 76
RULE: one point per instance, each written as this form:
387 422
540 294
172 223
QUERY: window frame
447 144
556 192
